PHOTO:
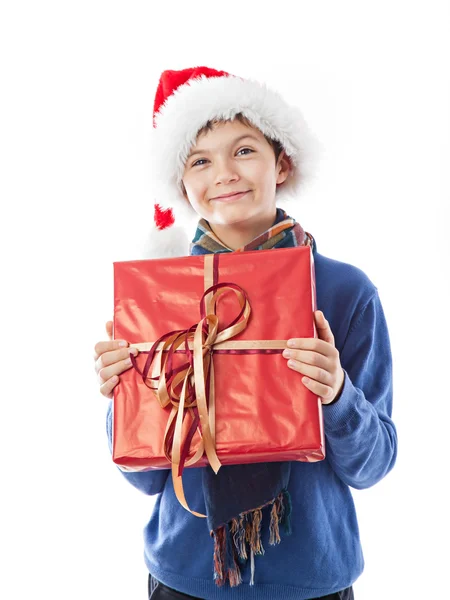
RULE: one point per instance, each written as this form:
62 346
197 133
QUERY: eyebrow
242 137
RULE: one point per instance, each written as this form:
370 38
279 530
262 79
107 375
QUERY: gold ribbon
196 375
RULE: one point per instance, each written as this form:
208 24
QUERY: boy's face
233 158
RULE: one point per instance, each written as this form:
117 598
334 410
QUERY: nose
225 173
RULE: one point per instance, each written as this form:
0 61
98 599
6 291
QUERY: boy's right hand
111 359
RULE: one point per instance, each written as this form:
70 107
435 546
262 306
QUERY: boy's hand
111 359
319 360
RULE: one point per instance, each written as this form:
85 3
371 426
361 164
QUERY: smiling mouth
230 198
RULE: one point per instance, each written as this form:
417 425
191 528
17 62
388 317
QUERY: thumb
109 329
323 328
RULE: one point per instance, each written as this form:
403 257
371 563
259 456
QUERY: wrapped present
210 384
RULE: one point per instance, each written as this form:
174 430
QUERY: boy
227 150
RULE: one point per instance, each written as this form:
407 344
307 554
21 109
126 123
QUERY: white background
78 82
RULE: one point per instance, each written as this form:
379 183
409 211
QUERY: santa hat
185 101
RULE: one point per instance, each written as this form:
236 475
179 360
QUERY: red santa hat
184 102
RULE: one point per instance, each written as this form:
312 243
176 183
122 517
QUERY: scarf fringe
236 539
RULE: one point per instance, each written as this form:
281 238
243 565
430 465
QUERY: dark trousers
159 591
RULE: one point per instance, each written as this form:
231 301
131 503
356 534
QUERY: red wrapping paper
263 410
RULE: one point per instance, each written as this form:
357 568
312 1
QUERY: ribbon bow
190 386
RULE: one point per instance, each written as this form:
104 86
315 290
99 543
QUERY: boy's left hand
318 358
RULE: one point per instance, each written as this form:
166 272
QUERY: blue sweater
323 555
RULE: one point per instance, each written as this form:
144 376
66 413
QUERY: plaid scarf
284 233
236 496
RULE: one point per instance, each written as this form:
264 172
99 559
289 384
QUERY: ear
284 166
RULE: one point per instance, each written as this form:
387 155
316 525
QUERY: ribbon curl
190 386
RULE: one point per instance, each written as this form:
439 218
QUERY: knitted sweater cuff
338 413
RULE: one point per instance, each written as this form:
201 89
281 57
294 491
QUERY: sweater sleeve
361 438
149 482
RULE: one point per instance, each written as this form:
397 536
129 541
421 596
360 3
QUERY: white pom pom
170 242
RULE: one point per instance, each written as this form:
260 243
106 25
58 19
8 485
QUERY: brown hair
276 146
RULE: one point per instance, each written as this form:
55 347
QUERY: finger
309 357
314 344
109 329
323 327
107 389
116 367
102 347
320 375
324 392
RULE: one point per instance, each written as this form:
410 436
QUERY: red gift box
210 374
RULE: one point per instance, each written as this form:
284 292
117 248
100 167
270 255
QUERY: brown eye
198 161
242 150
